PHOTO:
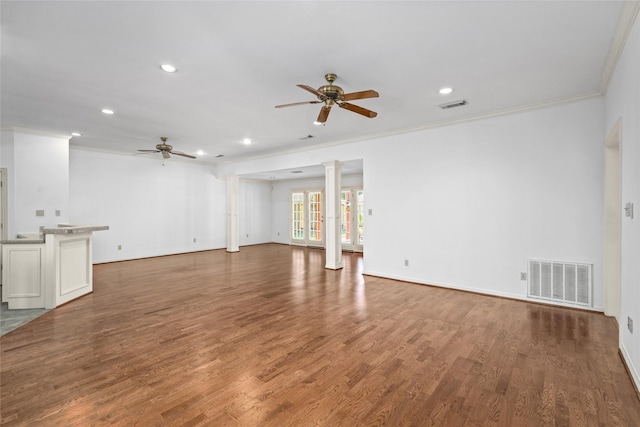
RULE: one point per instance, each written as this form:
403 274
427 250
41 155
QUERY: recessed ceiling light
168 68
446 90
76 134
246 141
107 111
200 152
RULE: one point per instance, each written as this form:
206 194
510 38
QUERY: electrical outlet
523 276
119 247
630 324
406 263
370 211
194 240
57 212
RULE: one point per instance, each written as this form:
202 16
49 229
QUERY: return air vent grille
453 104
560 281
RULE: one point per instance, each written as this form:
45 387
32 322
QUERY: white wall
151 209
468 204
472 202
37 179
254 201
623 102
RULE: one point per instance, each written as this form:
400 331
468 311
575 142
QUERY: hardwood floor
268 337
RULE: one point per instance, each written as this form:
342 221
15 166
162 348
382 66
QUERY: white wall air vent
453 104
569 283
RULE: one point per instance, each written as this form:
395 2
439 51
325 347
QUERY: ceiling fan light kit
331 95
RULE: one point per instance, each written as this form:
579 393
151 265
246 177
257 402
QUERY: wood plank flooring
268 337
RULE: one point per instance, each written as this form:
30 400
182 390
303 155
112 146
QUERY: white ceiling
62 62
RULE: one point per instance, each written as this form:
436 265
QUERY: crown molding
496 113
627 18
35 132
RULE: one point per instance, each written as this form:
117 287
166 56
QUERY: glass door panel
307 218
360 220
297 217
316 221
345 217
352 219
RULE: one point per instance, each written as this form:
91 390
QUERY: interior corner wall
151 209
622 102
38 180
254 200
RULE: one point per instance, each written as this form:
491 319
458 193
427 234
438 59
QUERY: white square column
233 233
333 185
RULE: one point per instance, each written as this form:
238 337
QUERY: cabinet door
23 275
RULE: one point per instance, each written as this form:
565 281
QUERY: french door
352 219
307 218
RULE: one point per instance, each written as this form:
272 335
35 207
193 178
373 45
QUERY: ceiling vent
453 104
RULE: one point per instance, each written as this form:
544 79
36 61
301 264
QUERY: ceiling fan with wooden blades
166 150
331 95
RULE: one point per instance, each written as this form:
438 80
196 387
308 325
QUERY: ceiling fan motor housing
332 95
331 91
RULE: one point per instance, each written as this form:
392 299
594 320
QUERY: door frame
613 222
305 241
354 246
3 204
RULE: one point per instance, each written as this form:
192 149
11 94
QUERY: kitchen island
49 268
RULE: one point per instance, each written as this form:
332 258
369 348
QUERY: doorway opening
352 219
307 218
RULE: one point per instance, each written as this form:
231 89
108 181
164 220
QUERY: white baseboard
483 291
630 366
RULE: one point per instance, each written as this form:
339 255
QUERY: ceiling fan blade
316 92
165 155
180 153
357 109
298 103
324 113
150 151
359 95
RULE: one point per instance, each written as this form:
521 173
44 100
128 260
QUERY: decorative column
332 186
232 214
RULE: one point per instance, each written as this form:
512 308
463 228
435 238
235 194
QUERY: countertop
72 229
38 238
